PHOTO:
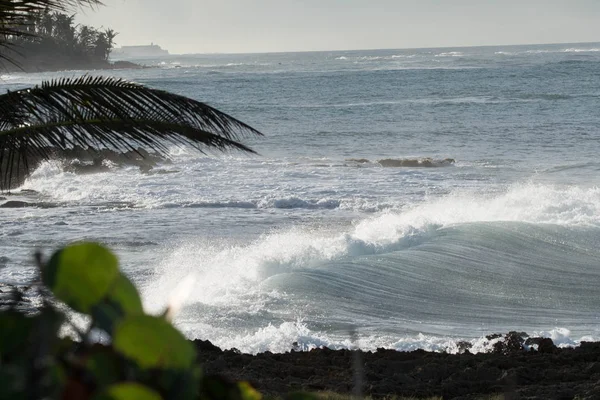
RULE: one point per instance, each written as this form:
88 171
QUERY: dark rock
493 336
512 372
513 342
29 191
16 204
79 160
464 347
206 346
545 345
126 65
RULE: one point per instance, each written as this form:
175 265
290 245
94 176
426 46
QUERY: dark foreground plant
123 354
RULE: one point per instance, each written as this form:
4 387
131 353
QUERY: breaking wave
450 269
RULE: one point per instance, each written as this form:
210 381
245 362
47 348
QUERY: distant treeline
54 42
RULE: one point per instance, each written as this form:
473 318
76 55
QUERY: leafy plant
141 356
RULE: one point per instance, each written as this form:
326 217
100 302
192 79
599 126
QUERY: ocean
401 199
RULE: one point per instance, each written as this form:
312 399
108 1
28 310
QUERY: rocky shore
33 64
509 370
517 367
79 160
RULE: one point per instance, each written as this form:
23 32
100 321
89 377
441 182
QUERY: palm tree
97 112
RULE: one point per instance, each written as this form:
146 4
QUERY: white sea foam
579 50
450 54
287 335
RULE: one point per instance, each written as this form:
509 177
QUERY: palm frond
109 113
11 10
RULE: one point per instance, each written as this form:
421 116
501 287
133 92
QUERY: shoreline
509 370
515 367
32 68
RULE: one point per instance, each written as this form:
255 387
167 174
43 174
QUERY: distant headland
143 51
54 42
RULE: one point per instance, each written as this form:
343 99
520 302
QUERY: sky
250 26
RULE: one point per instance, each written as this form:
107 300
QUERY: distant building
152 50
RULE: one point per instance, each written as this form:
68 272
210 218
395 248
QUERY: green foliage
45 33
81 275
152 343
146 358
128 391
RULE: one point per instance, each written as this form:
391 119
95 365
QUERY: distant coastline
54 42
35 64
139 51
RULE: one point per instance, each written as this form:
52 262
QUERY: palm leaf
109 113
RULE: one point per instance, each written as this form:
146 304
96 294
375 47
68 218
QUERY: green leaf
128 391
81 275
152 342
248 392
126 295
122 299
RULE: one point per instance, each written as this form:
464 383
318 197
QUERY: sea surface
400 198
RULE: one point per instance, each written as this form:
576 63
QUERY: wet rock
28 192
17 298
206 346
512 372
464 347
544 345
513 342
79 160
16 204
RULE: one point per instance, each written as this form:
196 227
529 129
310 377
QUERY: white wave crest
226 270
296 335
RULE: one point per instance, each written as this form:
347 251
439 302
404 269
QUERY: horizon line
382 48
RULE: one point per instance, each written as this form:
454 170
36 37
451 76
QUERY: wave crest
406 162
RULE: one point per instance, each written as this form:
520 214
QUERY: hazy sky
197 26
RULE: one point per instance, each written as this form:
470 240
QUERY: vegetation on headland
48 40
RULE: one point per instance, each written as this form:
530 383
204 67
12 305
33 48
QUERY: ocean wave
405 162
294 202
298 336
211 204
282 203
228 65
545 96
281 252
580 50
450 54
457 267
